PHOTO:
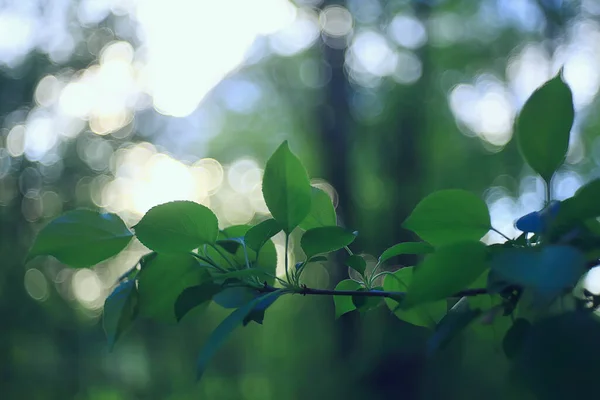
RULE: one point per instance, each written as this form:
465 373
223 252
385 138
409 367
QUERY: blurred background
121 105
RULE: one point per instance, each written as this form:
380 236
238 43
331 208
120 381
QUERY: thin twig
370 293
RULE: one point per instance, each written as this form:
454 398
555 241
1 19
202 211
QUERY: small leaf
547 272
543 127
406 248
120 309
450 269
321 212
259 234
357 263
344 304
258 313
222 332
163 279
425 315
286 188
514 338
177 227
457 319
449 216
82 238
194 296
325 240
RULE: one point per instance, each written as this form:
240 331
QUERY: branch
370 293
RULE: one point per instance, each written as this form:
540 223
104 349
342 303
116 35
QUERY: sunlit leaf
163 279
321 212
82 238
259 234
286 188
426 315
222 332
546 271
344 304
325 240
450 269
177 227
406 248
449 216
453 323
193 297
544 125
357 263
120 309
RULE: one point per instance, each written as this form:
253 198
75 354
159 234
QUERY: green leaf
449 216
425 315
321 212
574 211
450 269
366 303
193 297
546 271
325 240
544 125
161 281
222 332
243 273
82 238
177 227
235 297
344 304
406 248
259 234
457 319
515 336
286 188
357 263
258 313
120 309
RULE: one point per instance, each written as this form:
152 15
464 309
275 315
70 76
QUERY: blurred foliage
124 105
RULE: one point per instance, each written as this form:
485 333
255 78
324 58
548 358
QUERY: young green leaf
406 248
286 188
546 271
177 227
222 332
120 309
425 315
344 304
325 240
449 216
259 234
357 263
163 279
82 238
321 212
544 125
194 296
450 269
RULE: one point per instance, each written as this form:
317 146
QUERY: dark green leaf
547 271
406 248
82 238
544 125
286 188
366 303
120 309
325 240
259 234
449 216
235 297
450 269
514 338
426 315
318 259
244 273
357 263
457 319
258 313
321 212
231 245
163 279
222 332
194 296
177 227
344 304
